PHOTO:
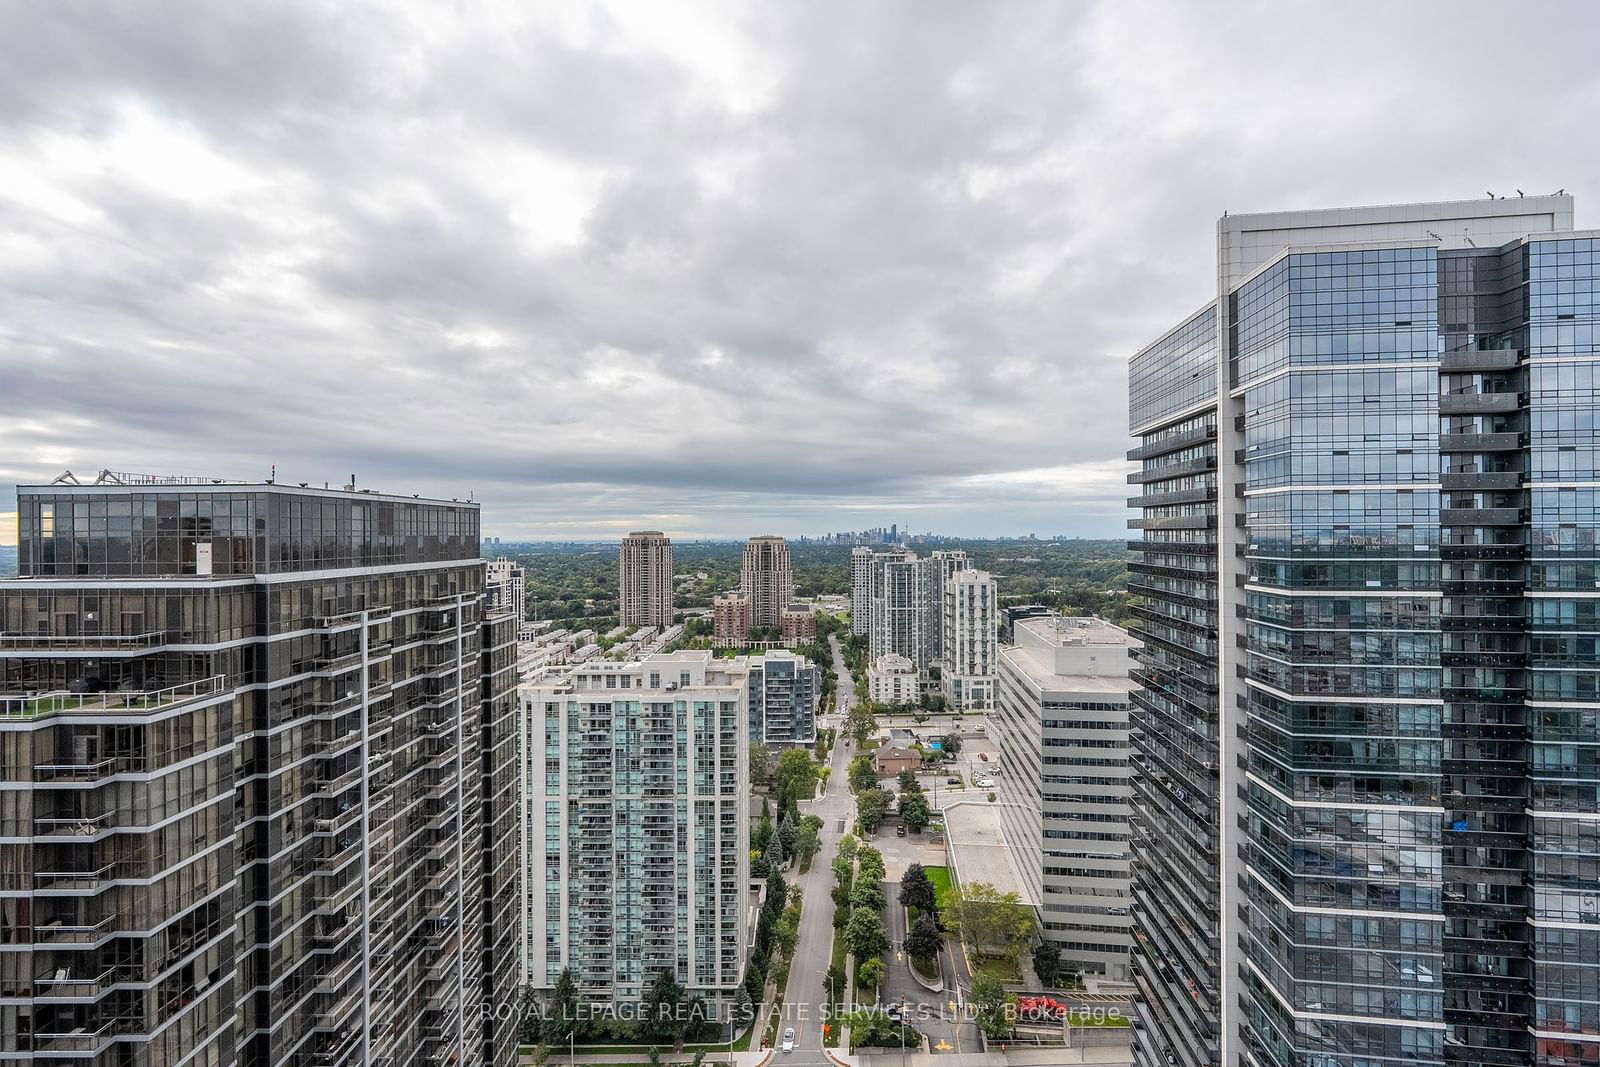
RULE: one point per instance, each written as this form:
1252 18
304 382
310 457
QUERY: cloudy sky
714 268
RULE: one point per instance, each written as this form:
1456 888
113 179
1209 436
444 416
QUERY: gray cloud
795 267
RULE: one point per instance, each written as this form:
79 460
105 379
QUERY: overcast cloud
715 268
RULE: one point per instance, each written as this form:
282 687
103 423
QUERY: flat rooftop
979 850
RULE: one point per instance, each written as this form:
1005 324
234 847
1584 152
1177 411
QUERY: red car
1040 1008
984 756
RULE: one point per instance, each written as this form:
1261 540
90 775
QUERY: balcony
1480 442
90 880
58 932
1480 480
62 986
79 1039
1476 403
1181 496
1477 362
44 705
1478 551
1482 516
1174 522
73 826
80 645
1173 443
1173 470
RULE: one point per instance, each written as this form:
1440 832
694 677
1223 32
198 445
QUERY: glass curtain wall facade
1175 844
239 810
1414 455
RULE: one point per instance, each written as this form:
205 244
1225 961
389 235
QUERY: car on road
984 756
952 781
788 1040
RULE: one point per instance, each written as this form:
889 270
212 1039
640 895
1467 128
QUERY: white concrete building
644 583
970 619
636 826
505 588
861 590
1061 722
892 679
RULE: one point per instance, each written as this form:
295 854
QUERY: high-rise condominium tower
904 597
968 652
861 590
644 586
256 743
766 579
506 589
1367 820
636 816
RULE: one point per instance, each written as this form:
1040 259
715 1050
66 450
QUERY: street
938 1015
803 1004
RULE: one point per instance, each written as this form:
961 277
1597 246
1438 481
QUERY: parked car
952 781
900 831
984 756
788 1040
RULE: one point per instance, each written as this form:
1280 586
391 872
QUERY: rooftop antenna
1435 236
1491 196
1467 239
273 477
1520 194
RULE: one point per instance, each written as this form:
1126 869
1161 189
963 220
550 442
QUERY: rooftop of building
109 482
980 851
1063 652
893 663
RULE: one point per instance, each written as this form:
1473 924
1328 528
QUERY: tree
869 975
786 835
743 1010
760 762
914 811
774 855
917 891
661 1018
990 921
807 841
863 774
871 806
833 985
990 1000
797 771
841 870
861 724
561 1015
908 783
865 936
924 941
846 849
950 744
869 863
1047 962
868 895
761 834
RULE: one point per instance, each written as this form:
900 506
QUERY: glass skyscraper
1367 828
257 780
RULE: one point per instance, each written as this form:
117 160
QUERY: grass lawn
999 967
943 886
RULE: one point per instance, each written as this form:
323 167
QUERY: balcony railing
57 932
38 706
94 879
99 644
62 986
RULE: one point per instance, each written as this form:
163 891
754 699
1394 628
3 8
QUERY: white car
788 1040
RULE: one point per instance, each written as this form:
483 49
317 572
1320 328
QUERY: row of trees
792 777
772 847
858 909
667 1014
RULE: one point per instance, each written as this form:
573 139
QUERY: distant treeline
579 581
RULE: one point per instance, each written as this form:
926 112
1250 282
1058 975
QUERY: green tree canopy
871 806
868 895
760 762
917 890
990 921
991 1002
1047 962
869 864
923 940
914 810
869 975
661 1018
865 936
797 770
863 774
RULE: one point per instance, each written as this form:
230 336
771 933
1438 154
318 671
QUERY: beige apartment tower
644 586
767 579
